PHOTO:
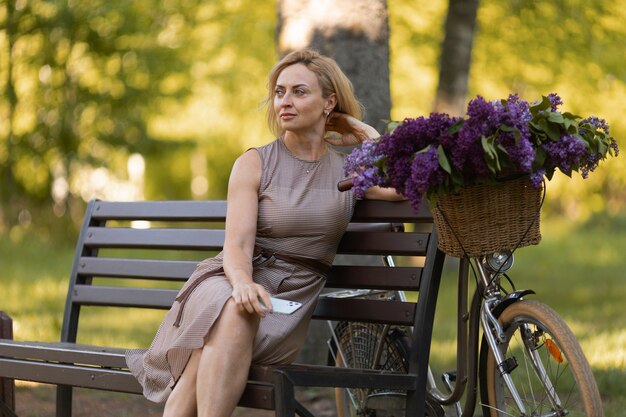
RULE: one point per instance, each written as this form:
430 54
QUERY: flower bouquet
483 174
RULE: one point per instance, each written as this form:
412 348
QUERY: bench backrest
143 243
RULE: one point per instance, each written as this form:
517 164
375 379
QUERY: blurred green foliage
88 86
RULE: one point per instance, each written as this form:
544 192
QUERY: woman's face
298 100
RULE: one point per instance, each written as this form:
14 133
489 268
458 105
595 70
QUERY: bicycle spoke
554 378
496 409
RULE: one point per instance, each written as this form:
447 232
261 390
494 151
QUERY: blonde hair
331 80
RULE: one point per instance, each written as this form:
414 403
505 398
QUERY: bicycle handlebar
345 184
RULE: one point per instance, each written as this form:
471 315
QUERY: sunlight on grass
120 327
606 350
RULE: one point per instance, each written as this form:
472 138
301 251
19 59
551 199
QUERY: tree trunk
353 32
7 184
356 34
456 53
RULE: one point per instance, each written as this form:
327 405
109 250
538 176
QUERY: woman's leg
182 400
225 361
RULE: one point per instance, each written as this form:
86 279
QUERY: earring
326 112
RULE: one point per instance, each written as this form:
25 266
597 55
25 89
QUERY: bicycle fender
510 298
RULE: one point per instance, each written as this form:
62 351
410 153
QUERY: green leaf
555 117
491 154
457 179
571 116
391 126
455 127
540 158
550 129
443 160
543 105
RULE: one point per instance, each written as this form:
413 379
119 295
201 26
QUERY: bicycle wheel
546 364
359 343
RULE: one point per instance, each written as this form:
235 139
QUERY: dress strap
311 264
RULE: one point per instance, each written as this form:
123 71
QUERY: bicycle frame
487 301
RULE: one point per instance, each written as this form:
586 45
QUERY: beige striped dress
300 213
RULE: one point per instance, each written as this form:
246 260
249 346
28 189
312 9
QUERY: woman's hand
345 130
248 296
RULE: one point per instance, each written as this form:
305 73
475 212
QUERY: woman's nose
285 100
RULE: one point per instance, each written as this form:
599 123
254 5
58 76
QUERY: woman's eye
299 92
279 93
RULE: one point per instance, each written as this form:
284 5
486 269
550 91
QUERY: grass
577 271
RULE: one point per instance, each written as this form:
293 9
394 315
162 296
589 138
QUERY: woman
284 221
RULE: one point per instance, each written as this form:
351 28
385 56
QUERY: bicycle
528 362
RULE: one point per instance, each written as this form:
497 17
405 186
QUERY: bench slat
341 276
327 308
390 243
123 296
360 243
255 395
161 210
387 211
370 211
188 239
374 277
64 374
370 311
136 268
318 375
107 357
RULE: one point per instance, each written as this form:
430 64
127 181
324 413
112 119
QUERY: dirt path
38 400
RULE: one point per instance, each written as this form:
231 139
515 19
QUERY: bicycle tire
561 357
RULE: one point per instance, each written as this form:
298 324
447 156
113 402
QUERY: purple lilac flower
599 124
565 154
410 137
555 101
496 137
362 162
426 174
520 149
602 125
400 146
508 121
482 120
368 177
536 178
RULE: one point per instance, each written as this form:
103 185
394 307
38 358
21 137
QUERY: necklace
309 166
306 165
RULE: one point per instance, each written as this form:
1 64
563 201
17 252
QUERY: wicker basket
486 218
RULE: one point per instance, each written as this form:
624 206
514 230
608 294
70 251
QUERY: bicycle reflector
554 350
499 261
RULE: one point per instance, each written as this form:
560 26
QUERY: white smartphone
282 306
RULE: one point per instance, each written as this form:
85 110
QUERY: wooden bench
134 241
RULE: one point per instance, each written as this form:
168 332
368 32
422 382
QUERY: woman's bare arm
380 193
241 224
